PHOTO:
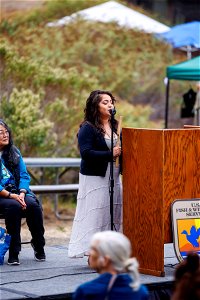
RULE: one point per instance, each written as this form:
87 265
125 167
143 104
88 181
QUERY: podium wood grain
159 166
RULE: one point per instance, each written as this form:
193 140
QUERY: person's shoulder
84 289
87 127
95 283
86 286
144 291
87 124
90 290
16 149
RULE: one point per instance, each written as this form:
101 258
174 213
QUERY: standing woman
93 201
16 199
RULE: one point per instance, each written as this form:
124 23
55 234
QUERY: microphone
112 111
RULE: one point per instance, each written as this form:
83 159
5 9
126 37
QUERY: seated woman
119 278
16 199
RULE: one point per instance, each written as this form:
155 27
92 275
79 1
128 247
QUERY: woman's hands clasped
117 151
19 198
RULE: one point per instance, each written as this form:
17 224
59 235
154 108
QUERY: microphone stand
111 171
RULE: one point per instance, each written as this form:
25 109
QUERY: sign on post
186 227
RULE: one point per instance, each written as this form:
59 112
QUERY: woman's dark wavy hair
187 279
91 110
9 151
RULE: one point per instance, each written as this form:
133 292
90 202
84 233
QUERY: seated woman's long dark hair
92 112
10 153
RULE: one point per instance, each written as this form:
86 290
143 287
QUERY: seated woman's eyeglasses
2 133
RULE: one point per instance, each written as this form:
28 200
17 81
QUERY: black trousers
34 217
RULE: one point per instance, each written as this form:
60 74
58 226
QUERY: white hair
118 247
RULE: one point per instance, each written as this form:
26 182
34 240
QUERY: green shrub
32 131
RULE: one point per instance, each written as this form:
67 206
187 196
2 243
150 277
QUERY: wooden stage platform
58 276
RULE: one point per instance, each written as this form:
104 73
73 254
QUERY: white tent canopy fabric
113 11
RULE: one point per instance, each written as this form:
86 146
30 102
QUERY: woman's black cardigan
94 151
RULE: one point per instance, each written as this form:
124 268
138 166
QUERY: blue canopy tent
187 70
185 36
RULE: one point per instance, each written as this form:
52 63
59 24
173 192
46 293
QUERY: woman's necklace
109 133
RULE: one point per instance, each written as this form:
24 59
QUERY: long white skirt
93 210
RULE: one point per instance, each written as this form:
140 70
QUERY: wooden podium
159 166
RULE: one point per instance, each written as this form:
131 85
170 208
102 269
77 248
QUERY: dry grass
10 7
57 232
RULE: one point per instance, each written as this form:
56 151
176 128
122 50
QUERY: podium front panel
181 168
159 166
143 196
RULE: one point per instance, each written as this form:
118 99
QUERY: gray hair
118 247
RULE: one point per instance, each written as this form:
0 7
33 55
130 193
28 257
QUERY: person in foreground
187 279
16 199
93 200
110 253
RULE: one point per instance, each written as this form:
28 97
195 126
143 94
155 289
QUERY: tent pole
189 52
166 102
